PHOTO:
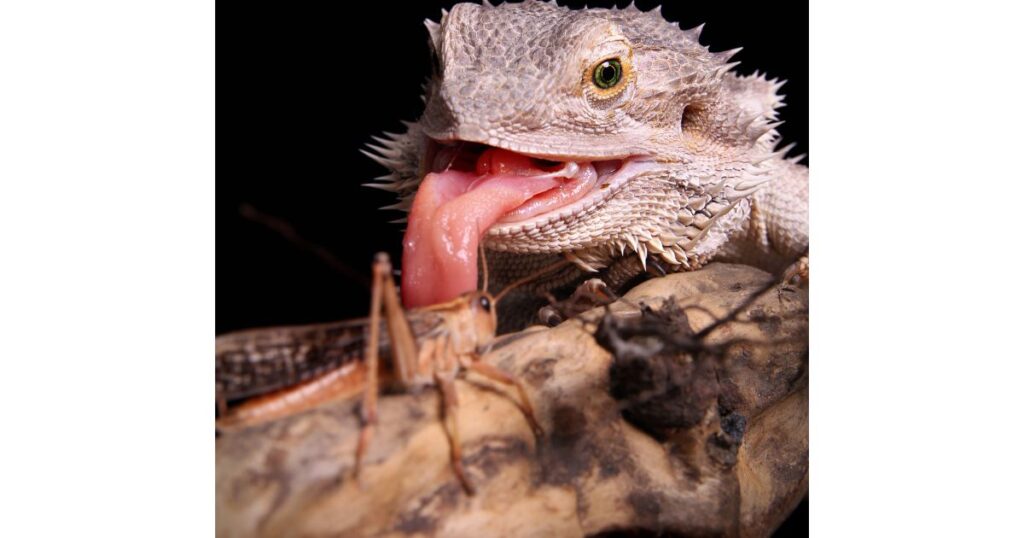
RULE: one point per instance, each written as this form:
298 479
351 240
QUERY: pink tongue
439 258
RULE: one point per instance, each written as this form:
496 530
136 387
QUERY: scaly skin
518 77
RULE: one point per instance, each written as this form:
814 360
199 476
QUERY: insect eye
485 303
608 74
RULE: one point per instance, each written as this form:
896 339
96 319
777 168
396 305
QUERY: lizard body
687 150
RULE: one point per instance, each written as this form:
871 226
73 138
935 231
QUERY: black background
301 88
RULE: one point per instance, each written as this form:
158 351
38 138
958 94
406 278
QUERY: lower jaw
607 185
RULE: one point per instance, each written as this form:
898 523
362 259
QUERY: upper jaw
440 155
546 149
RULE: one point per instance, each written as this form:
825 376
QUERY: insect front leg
497 374
368 408
451 427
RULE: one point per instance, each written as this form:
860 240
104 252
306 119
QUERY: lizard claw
590 294
795 276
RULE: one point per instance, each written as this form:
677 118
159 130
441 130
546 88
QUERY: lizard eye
608 73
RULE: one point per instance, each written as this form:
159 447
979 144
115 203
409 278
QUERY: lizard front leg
776 234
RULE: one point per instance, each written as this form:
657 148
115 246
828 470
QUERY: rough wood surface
591 473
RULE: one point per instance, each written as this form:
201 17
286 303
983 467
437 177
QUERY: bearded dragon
607 137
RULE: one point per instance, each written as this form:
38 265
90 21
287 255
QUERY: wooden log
738 471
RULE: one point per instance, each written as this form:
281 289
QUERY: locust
275 373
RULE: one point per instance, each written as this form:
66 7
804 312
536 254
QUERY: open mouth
470 188
573 179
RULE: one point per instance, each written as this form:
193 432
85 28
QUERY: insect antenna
530 277
284 229
483 261
455 155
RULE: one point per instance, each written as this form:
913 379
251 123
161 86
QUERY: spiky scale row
400 153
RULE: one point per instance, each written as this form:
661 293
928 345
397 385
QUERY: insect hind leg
368 407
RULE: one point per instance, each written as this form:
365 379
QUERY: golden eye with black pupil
608 73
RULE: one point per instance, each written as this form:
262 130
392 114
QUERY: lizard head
591 84
620 108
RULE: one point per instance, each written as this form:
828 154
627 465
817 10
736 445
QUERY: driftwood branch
731 461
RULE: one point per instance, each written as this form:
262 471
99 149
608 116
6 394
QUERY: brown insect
279 372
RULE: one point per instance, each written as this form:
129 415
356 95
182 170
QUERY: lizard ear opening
690 121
